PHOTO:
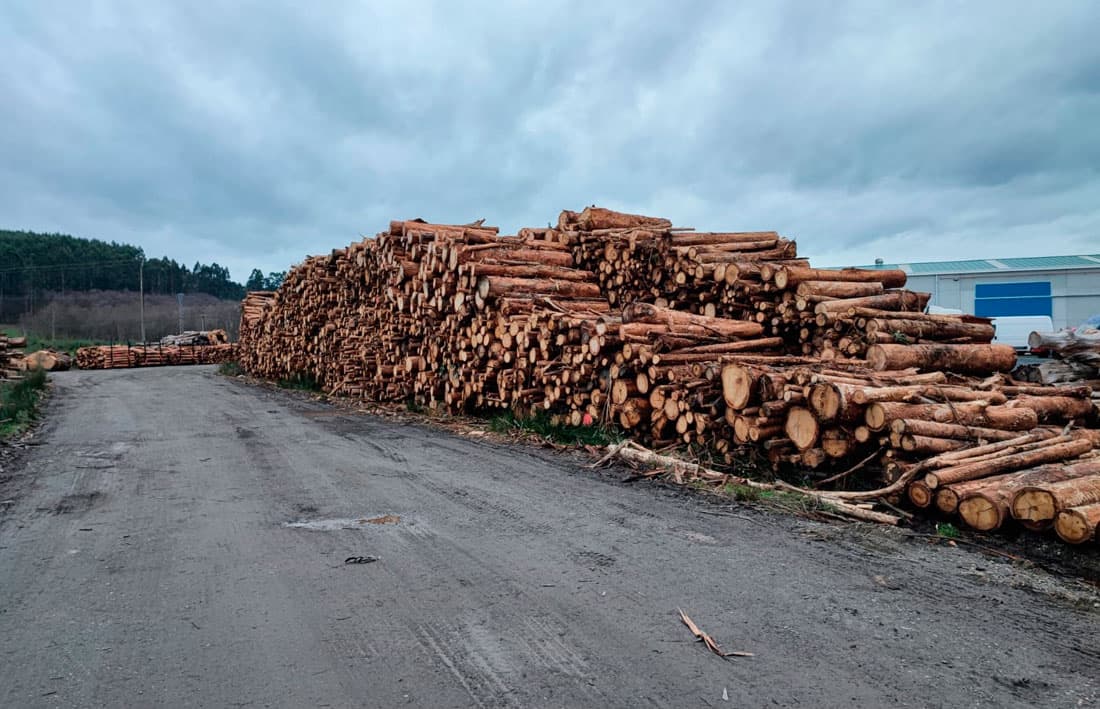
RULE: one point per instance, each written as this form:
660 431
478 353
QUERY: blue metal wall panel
998 300
1012 290
1007 307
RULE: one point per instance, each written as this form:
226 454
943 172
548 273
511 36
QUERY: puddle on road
329 525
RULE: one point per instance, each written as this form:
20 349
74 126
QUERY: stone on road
179 538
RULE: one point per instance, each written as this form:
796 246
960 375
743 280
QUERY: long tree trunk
965 359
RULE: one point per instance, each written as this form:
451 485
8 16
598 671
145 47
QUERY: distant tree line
33 264
258 281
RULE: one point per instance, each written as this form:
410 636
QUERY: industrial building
1065 288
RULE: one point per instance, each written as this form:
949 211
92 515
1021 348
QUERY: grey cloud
255 133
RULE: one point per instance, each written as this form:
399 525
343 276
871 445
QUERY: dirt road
147 561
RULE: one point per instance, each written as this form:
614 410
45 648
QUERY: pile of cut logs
11 356
127 356
723 340
49 360
1078 358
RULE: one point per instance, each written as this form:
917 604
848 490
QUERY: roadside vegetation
19 402
230 369
300 382
540 426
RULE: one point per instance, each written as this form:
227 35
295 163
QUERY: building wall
1075 295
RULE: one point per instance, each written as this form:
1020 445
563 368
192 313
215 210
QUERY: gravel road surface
178 539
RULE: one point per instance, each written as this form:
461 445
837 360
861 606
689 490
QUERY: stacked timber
197 337
758 276
726 341
128 356
49 360
1077 358
11 356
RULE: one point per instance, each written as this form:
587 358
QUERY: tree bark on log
965 359
919 427
1044 452
880 414
790 276
1036 506
986 504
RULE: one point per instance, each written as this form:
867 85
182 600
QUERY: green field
37 342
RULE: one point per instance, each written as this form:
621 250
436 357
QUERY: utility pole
179 303
141 289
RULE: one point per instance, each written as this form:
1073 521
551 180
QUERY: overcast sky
253 134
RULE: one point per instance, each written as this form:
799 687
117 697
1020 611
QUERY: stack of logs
11 356
726 341
1078 358
127 356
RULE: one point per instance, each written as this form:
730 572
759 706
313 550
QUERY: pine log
593 218
838 289
986 504
881 414
488 286
706 239
648 313
891 300
1037 505
966 359
1038 454
940 393
1054 408
533 270
920 326
1078 525
920 427
802 428
928 445
793 275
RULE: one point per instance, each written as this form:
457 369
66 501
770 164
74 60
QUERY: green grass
19 402
540 425
947 530
300 382
230 369
61 344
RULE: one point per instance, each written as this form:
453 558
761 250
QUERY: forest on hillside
36 269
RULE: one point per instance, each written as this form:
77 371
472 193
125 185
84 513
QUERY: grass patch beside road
300 382
19 402
230 369
540 425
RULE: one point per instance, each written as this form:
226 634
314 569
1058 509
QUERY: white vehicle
1015 330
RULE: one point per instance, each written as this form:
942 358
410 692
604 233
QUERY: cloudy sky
253 134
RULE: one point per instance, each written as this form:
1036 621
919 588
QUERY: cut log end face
1034 506
980 513
1077 525
802 428
920 494
947 501
736 386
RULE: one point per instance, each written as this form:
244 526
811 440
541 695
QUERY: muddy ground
178 539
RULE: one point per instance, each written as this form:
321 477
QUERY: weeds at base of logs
540 426
231 368
947 530
300 382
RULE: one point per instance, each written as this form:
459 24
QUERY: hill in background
67 287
